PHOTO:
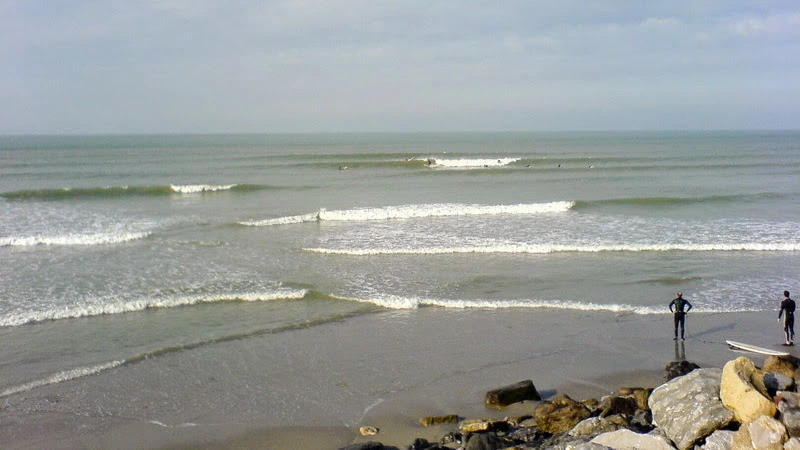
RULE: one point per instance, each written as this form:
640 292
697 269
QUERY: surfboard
755 349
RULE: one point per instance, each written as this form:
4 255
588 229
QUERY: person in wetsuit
679 307
787 307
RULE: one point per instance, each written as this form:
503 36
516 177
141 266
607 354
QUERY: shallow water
119 249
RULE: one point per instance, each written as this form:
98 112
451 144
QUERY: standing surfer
787 306
676 306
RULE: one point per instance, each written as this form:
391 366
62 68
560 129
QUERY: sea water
117 249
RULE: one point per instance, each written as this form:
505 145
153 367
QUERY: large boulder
688 408
761 433
742 391
625 439
719 440
560 414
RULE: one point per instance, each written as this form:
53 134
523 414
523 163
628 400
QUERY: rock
790 418
785 365
688 408
792 399
423 444
679 368
504 396
792 444
438 420
627 439
719 440
598 425
578 445
743 392
618 405
560 414
642 420
627 390
485 441
451 438
481 425
516 421
641 396
761 433
368 446
775 382
368 431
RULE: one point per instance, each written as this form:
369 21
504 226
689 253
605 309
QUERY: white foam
282 220
416 211
199 188
59 377
73 239
397 302
467 163
98 308
552 248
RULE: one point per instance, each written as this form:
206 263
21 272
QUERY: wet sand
320 384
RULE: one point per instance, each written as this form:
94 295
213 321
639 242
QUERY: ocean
120 249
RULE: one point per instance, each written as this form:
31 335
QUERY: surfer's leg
676 321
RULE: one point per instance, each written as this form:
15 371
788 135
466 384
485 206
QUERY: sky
241 66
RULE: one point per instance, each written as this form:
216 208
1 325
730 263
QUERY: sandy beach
384 370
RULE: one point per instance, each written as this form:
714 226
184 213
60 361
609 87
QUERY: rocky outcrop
688 408
742 391
706 409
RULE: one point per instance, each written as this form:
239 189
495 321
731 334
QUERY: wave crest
415 212
470 163
123 191
78 311
73 239
548 248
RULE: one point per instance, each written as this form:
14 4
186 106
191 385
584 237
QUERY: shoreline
388 370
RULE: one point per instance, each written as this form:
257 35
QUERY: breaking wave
73 239
551 248
125 191
414 212
470 163
398 302
88 310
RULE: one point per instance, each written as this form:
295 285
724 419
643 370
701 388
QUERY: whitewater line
416 211
545 249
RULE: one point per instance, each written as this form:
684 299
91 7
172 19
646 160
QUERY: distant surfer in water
787 306
679 306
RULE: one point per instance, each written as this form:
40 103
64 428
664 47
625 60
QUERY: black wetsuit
788 306
677 307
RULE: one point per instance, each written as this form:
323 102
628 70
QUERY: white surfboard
755 349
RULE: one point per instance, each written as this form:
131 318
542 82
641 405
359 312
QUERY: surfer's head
786 294
680 294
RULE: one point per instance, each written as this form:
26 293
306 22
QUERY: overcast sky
203 66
